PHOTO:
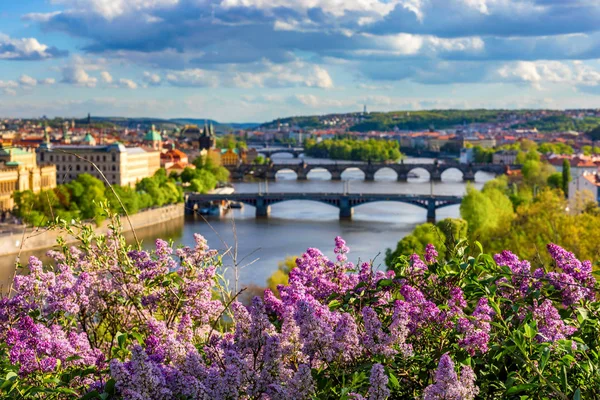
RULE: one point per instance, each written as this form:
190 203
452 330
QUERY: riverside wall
40 238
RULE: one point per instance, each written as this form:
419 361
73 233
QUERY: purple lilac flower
448 386
431 254
576 282
477 329
378 381
551 327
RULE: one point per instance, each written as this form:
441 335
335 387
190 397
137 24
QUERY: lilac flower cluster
448 386
576 282
332 316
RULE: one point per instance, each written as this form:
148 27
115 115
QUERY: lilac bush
108 321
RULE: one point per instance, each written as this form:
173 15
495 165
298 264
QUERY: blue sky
256 60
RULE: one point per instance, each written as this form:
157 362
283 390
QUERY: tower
208 139
153 139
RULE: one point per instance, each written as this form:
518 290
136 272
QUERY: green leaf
577 395
520 388
334 304
394 383
479 246
121 339
385 282
11 375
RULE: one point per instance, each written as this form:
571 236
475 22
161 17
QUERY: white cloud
25 49
318 102
337 8
265 74
27 81
76 75
106 77
110 9
127 84
193 77
151 79
47 81
405 44
538 73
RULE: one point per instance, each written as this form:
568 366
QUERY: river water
294 226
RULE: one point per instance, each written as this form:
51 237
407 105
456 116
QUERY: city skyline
256 60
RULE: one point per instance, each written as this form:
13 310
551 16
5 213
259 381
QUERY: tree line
356 150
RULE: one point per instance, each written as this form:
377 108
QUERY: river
295 226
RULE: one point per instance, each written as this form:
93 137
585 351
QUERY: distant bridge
345 202
269 151
238 172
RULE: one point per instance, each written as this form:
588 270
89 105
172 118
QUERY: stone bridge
268 151
238 172
345 202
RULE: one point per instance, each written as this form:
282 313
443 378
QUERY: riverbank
34 239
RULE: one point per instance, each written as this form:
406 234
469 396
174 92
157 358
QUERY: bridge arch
484 176
319 173
352 172
386 174
419 174
286 174
452 174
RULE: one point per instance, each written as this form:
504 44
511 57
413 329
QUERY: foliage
483 155
555 148
230 141
588 150
561 123
352 149
260 160
487 211
282 274
220 173
566 177
82 198
114 322
442 235
431 119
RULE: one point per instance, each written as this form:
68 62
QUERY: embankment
40 238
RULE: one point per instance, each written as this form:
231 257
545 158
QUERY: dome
89 139
153 136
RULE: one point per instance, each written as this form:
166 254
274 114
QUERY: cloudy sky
256 60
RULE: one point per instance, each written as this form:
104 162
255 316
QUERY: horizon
239 61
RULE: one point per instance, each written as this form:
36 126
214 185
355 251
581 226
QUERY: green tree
566 177
555 181
416 242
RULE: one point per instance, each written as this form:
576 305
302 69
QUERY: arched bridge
345 202
238 172
269 151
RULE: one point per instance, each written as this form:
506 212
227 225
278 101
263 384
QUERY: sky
257 60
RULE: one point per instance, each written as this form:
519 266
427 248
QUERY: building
19 171
587 181
506 157
153 140
249 155
199 138
467 155
191 134
120 165
173 160
208 140
230 157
